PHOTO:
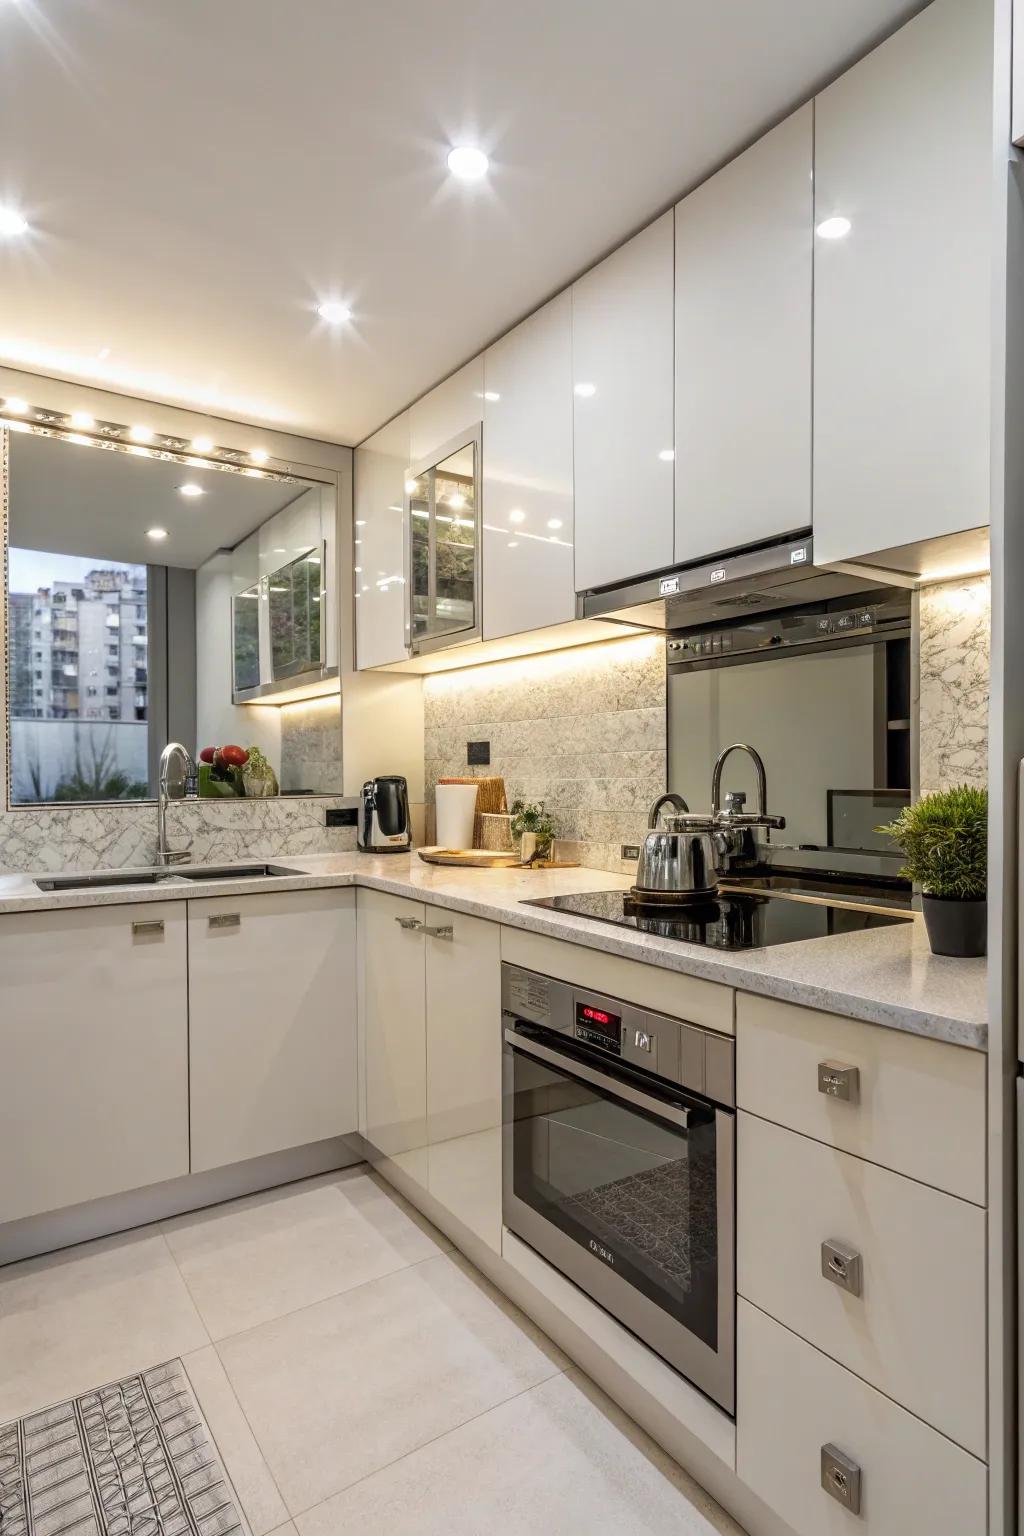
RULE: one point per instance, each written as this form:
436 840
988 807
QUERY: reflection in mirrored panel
444 543
150 599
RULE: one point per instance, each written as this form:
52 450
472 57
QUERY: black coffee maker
384 815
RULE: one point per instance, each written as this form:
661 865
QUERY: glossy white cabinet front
622 410
743 347
527 495
380 466
903 150
446 411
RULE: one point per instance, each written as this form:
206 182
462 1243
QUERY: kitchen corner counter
885 976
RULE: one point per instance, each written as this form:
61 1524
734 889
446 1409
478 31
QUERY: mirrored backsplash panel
150 593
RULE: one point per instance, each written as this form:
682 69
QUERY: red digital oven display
598 1026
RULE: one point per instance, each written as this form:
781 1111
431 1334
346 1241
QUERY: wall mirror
155 596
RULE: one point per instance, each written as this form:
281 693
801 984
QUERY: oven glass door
625 1168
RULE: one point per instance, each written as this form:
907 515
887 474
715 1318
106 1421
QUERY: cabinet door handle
148 930
843 1266
836 1080
410 924
225 920
445 931
841 1478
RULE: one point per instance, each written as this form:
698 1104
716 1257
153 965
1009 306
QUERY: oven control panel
597 1026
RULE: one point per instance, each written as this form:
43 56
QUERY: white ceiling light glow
835 228
584 390
467 163
140 434
156 534
334 312
202 444
82 420
190 489
259 455
12 223
456 500
15 406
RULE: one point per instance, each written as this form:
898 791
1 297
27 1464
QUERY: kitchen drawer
792 1400
919 1109
921 1257
648 986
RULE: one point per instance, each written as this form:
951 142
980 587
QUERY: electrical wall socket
630 851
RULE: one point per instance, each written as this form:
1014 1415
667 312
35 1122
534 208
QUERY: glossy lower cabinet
528 475
272 1029
430 1022
869 1267
743 347
902 357
622 369
380 466
94 1041
889 1473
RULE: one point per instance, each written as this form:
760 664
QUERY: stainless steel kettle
678 861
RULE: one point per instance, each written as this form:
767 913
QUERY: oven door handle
612 1085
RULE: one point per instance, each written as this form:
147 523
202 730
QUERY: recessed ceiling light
467 162
141 434
667 455
190 489
517 515
15 406
584 390
156 533
554 522
11 222
202 444
834 228
259 455
334 312
411 487
82 419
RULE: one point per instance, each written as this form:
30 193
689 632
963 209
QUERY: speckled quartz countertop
886 976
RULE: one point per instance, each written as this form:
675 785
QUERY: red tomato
207 754
235 757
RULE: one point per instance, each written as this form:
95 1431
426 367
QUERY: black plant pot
956 927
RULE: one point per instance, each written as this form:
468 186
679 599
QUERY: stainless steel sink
106 878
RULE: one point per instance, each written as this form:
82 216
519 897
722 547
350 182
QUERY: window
61 747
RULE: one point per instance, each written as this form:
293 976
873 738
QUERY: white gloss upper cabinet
743 347
622 367
527 484
903 150
379 469
446 410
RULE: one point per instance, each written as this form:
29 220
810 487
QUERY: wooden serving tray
470 858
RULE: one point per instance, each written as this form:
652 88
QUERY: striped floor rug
134 1458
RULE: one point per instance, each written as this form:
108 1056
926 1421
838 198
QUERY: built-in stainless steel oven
619 1135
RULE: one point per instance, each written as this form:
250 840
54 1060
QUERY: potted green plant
535 829
944 838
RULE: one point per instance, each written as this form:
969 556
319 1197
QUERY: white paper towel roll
456 804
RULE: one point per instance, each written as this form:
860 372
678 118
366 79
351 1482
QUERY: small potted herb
944 838
535 829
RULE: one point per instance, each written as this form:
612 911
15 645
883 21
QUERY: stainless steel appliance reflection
384 825
618 1156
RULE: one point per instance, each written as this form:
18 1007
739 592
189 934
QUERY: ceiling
87 501
198 176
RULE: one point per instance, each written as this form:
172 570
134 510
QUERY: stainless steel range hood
753 580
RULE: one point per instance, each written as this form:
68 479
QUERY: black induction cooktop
731 920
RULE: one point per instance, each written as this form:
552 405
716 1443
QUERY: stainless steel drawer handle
445 931
410 924
843 1266
837 1080
225 920
148 930
841 1478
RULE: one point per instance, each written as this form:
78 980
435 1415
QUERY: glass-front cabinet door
443 512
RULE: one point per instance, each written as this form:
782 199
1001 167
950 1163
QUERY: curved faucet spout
762 778
173 750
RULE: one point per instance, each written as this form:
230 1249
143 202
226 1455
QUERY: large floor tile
340 1389
258 1258
79 1318
243 1460
556 1461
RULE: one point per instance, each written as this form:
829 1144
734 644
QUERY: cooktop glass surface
731 920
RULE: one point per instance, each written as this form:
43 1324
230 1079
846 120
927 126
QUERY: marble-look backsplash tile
582 730
311 747
955 641
122 836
